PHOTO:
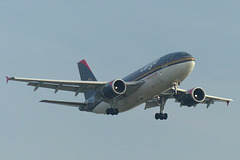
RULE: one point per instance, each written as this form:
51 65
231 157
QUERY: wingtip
228 103
9 78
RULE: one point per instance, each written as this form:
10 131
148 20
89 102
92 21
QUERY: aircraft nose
190 56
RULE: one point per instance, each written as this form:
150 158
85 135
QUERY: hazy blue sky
46 39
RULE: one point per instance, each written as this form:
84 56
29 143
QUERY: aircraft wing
73 86
132 87
209 99
170 94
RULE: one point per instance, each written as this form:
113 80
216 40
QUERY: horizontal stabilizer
72 104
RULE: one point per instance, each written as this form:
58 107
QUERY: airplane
152 84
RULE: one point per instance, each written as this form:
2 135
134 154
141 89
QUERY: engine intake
114 88
193 97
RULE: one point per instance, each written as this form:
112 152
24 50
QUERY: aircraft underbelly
101 108
155 83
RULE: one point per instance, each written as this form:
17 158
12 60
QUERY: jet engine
114 88
193 97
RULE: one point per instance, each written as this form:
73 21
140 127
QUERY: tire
116 111
165 116
157 116
107 111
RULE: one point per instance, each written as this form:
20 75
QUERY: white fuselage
155 83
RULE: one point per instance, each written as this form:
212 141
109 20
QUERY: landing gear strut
161 102
175 87
112 111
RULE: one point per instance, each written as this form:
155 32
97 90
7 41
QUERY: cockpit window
185 55
178 56
173 57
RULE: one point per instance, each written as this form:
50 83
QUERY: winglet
7 79
228 103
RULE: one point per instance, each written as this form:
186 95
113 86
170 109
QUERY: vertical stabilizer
86 75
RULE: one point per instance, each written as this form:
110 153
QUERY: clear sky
46 39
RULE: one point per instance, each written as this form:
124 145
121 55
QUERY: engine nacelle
193 97
114 88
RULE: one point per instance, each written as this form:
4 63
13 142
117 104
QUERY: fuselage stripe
164 66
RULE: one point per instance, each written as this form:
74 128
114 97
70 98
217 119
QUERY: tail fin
86 75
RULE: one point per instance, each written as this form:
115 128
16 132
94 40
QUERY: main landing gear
161 102
161 116
112 111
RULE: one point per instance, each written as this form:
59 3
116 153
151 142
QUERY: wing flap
57 87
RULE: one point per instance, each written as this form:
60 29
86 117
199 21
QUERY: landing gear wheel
107 111
116 111
161 116
165 116
157 116
112 111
